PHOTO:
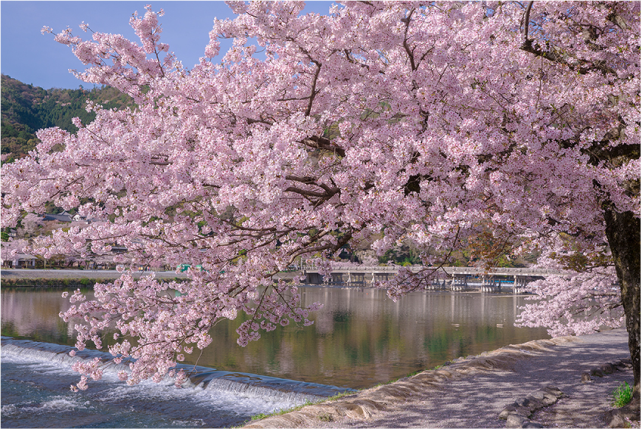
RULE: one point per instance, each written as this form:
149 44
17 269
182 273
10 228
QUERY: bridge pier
519 284
491 284
438 284
377 277
459 282
484 284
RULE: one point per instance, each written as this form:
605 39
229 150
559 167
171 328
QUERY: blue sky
36 59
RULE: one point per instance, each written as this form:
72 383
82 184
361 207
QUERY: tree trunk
622 230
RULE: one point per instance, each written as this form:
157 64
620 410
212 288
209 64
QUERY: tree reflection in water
360 337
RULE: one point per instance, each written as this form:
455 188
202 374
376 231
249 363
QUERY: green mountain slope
28 108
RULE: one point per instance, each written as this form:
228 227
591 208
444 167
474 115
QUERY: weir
277 389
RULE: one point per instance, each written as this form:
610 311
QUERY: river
359 338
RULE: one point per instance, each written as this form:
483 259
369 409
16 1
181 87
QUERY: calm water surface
360 337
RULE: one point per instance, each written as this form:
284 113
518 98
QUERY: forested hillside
27 108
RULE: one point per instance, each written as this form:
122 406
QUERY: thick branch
527 20
409 52
313 94
555 57
325 195
323 144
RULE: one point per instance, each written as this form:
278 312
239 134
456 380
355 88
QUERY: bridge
447 278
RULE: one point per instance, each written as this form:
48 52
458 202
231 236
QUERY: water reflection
359 338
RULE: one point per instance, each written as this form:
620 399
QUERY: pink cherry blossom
381 123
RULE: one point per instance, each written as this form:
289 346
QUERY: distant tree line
27 108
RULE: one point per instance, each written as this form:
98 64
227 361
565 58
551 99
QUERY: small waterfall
248 385
47 352
268 387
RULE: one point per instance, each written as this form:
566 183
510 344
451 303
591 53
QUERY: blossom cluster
380 123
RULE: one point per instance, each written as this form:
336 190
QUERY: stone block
596 372
607 368
515 421
510 409
585 378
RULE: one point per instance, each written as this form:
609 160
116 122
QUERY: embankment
72 278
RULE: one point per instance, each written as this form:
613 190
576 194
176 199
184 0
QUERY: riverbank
83 278
547 382
72 278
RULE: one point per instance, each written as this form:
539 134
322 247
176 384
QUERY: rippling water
35 393
360 338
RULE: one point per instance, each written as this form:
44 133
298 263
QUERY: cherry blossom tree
30 225
422 123
9 250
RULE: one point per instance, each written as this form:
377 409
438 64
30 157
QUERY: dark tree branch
323 144
410 53
324 195
554 56
313 94
526 20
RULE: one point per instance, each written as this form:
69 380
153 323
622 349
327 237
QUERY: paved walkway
472 392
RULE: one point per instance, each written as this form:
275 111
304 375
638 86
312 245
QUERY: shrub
622 395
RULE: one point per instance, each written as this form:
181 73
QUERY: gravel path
472 392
